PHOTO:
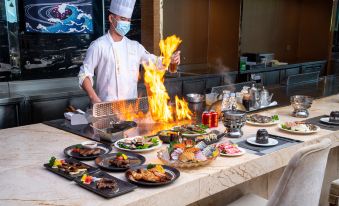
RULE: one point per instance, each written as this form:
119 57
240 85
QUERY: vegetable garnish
51 161
203 126
86 179
275 118
150 166
122 156
158 167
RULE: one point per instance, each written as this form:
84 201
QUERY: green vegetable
150 166
122 145
119 154
275 118
170 147
203 127
284 127
78 146
145 146
155 140
51 161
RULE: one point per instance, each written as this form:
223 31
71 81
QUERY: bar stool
334 193
301 182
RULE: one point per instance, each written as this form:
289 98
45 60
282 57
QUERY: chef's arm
87 71
87 86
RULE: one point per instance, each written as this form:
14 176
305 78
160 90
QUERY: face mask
122 27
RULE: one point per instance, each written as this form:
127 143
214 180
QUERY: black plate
123 187
105 149
65 174
102 161
174 173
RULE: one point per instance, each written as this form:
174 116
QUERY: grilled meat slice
260 118
151 175
89 152
120 163
72 167
105 183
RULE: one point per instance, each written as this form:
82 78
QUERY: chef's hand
95 99
175 59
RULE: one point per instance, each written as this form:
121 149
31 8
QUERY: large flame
158 97
160 109
168 47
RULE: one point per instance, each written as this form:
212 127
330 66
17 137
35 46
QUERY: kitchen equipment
233 120
265 97
255 96
104 109
211 98
301 103
110 130
195 98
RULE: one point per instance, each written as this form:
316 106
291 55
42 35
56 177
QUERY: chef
114 59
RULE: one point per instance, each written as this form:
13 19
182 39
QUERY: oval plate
242 152
299 132
103 161
271 142
137 150
262 124
171 171
104 149
326 120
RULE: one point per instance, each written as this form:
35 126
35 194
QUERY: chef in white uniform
114 59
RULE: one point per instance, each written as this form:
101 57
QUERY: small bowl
89 144
195 98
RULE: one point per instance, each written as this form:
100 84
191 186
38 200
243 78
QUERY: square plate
65 174
123 187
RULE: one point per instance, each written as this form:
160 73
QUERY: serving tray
65 174
122 188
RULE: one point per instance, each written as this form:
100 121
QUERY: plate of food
81 152
263 139
152 175
188 154
191 130
210 138
230 150
262 120
167 136
332 119
120 161
299 127
139 143
104 184
69 168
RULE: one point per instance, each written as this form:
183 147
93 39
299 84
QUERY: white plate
242 151
262 124
271 142
299 132
137 150
327 121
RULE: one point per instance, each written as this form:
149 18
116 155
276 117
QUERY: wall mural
65 16
49 38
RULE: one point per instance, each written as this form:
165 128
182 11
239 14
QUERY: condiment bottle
254 94
246 101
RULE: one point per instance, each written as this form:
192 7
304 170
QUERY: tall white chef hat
122 8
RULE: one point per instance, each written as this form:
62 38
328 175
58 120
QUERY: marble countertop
24 181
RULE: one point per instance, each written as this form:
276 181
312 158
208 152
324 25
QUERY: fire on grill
159 107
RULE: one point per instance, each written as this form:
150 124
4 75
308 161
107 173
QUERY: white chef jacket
116 66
